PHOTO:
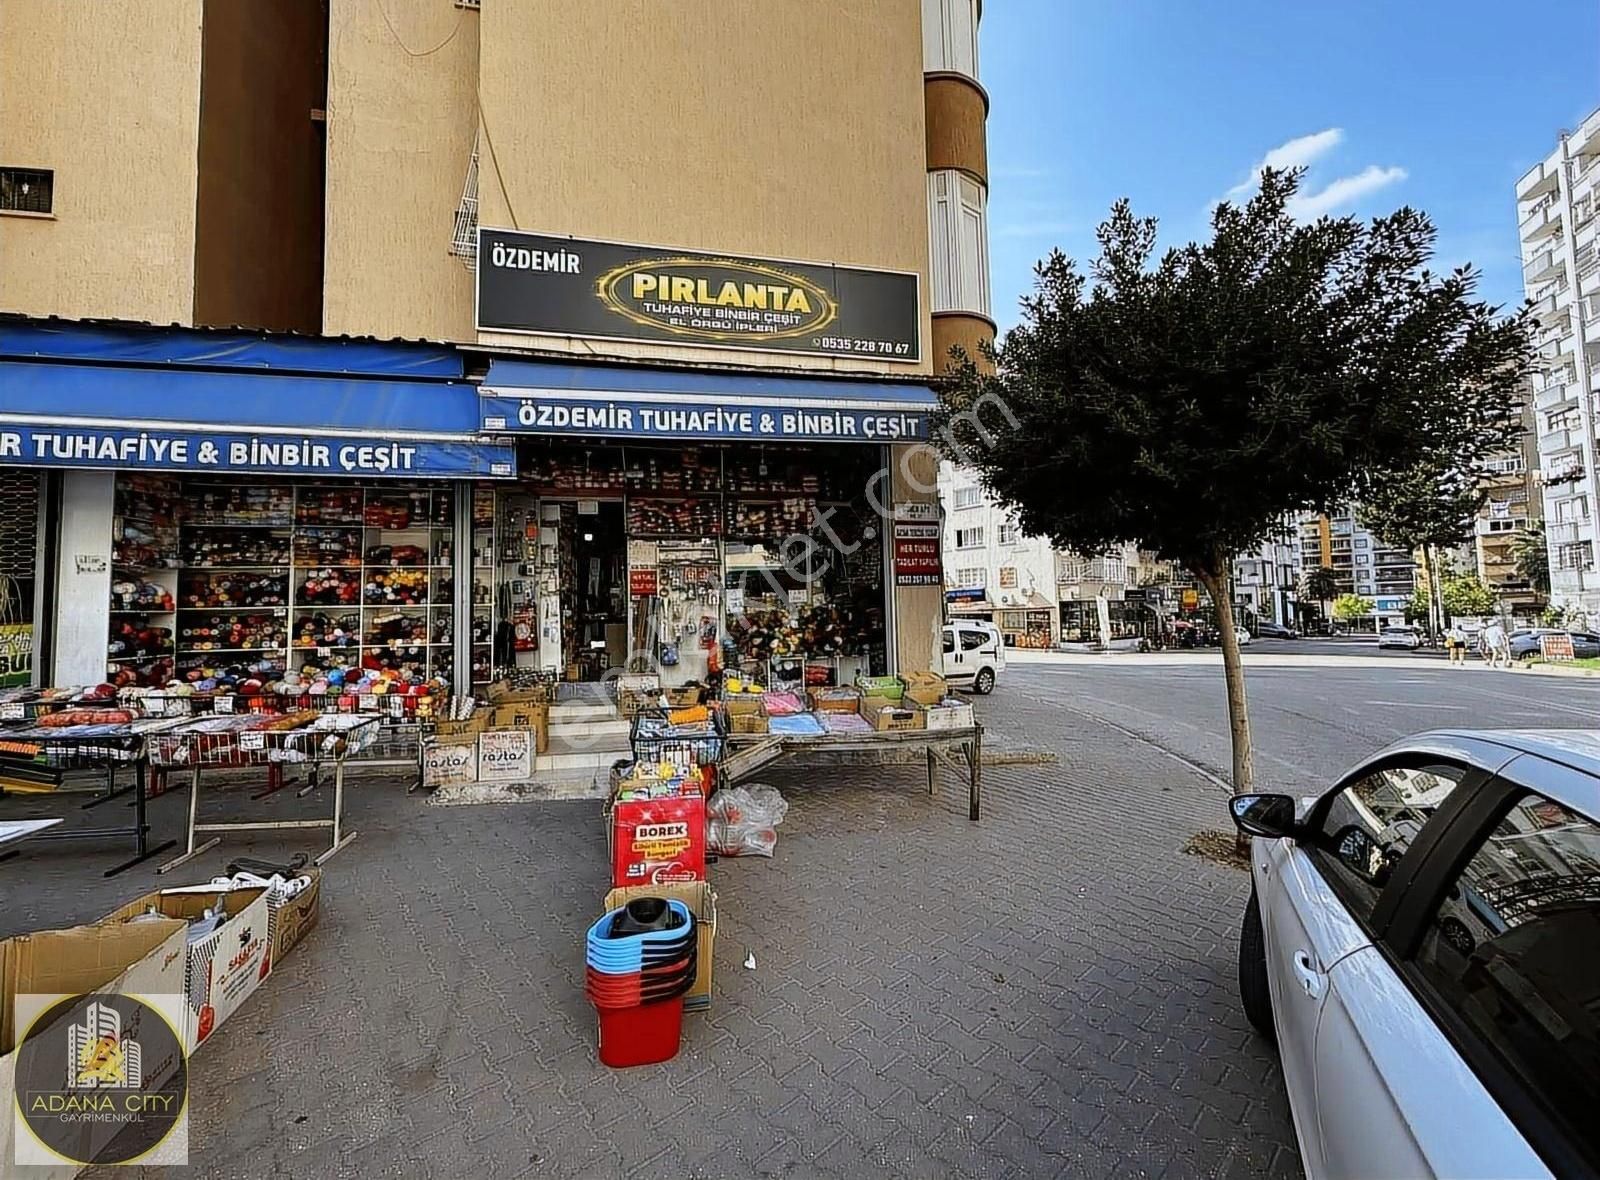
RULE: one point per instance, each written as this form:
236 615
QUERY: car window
972 640
1367 827
949 642
1513 952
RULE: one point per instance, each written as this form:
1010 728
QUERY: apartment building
1557 228
1511 506
1361 563
723 249
992 570
1266 581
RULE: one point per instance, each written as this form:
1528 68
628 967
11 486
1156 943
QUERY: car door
1324 900
956 669
1471 1040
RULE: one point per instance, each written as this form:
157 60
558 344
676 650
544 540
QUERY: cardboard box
447 763
754 722
506 755
529 715
891 688
658 841
642 682
925 688
684 697
702 903
889 716
145 959
463 733
287 921
502 693
631 702
834 700
953 716
224 968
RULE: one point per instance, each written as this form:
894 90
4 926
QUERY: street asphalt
899 992
1316 707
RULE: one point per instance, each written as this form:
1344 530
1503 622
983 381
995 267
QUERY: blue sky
1434 104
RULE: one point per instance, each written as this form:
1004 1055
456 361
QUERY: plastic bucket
641 1035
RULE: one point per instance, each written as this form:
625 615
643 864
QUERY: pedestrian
1495 644
1455 644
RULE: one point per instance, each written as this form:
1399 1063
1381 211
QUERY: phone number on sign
875 347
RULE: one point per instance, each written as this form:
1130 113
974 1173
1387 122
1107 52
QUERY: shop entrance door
596 596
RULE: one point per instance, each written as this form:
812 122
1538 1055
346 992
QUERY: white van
974 655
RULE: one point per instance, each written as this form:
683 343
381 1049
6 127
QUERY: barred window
27 190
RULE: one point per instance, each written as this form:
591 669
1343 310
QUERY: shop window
969 538
27 190
950 36
958 222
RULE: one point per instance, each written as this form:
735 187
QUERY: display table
14 831
749 753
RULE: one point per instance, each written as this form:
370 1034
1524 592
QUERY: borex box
657 841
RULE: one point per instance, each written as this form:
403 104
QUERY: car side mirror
1272 816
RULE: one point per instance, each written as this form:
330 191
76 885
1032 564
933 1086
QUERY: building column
83 577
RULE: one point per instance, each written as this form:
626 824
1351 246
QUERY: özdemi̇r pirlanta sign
540 283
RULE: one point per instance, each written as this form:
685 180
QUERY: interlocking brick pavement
1048 992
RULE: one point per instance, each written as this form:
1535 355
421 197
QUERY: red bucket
644 1035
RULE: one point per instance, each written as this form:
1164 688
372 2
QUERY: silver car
1423 941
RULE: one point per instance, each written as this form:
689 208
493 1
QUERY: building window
950 36
1504 524
958 226
27 190
971 578
1575 557
1008 534
1574 509
969 497
1363 542
969 538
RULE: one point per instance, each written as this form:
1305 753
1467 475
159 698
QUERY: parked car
974 655
1525 643
1268 630
1402 635
1423 941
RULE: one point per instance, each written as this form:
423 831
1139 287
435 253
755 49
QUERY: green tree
1530 553
1320 585
1350 607
1468 595
1419 606
1192 402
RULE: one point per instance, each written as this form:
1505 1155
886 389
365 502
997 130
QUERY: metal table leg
931 770
191 851
339 839
975 789
141 843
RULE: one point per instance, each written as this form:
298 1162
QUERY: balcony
1554 352
1542 267
1556 441
1553 310
1554 395
1543 222
1537 182
1564 532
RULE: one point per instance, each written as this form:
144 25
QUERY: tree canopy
1350 607
1191 402
1530 552
1468 595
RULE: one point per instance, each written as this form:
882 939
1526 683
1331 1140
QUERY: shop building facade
687 370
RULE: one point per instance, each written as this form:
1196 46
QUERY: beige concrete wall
108 95
790 131
402 115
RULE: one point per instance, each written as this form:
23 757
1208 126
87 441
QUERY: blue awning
609 401
125 416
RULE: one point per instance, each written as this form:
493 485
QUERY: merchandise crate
218 742
655 739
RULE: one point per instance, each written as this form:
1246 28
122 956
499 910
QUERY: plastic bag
742 821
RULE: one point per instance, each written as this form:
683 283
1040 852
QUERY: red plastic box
656 841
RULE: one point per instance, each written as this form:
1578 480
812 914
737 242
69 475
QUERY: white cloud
1299 152
1345 191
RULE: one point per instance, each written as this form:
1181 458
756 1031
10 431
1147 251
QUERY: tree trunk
1233 674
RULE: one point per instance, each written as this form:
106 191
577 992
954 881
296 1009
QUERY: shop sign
967 594
916 555
16 654
642 583
1556 647
1190 600
917 510
130 449
540 283
509 411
